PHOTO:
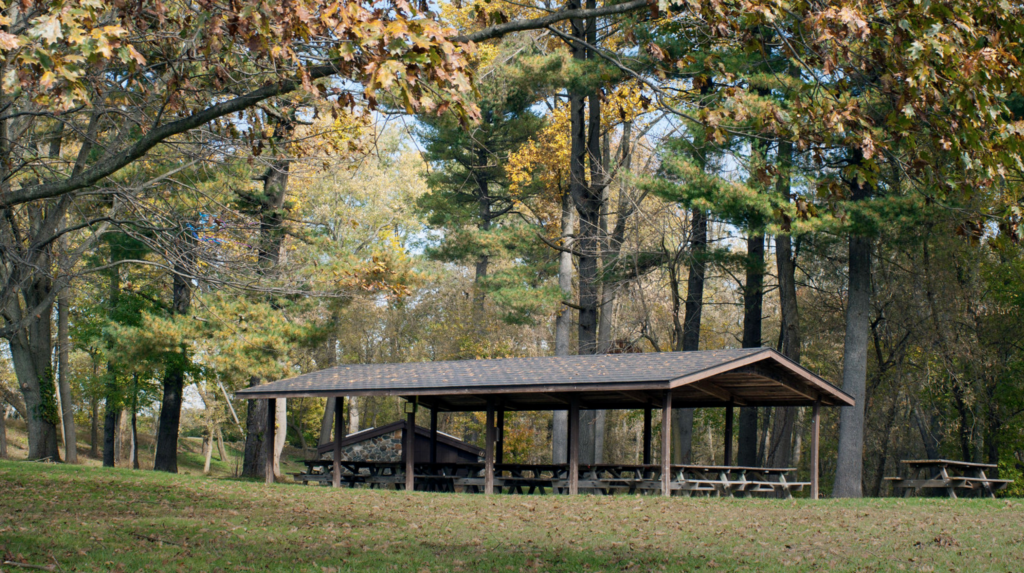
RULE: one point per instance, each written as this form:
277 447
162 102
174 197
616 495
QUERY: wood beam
489 451
711 389
410 449
339 435
433 435
555 397
647 436
499 456
642 397
666 444
815 438
728 434
574 445
767 374
268 440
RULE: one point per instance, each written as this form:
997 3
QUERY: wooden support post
647 436
489 451
815 437
339 434
433 435
410 449
666 444
499 456
574 445
269 438
728 434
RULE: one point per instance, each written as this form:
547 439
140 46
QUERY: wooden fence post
574 444
666 444
269 437
339 434
410 449
728 434
489 451
815 437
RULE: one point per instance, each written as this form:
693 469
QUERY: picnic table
604 479
950 476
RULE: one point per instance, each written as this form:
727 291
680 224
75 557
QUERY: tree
471 199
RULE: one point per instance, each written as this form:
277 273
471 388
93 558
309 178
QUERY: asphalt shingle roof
650 371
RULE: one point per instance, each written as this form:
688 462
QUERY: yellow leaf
49 30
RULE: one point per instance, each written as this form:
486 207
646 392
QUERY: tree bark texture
3 430
281 415
563 327
174 376
780 450
850 461
63 381
110 412
255 424
690 336
327 422
753 302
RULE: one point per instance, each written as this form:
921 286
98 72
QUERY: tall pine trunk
63 382
254 456
689 337
850 460
753 301
3 430
94 426
110 422
780 446
563 326
174 376
331 360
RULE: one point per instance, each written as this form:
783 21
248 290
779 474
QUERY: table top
550 467
947 463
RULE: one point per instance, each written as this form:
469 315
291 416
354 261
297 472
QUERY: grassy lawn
91 519
190 453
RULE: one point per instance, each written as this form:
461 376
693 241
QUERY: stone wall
385 448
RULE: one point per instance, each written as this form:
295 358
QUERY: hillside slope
91 519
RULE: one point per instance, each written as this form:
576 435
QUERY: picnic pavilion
648 382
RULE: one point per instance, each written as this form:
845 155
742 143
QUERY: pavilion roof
707 378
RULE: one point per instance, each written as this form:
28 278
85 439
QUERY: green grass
190 453
92 519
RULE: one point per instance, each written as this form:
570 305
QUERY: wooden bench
949 476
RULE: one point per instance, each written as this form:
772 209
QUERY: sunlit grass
94 519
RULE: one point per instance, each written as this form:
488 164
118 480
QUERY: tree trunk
850 462
690 336
221 451
482 263
134 453
586 195
207 451
119 438
327 422
3 430
170 420
30 354
109 433
563 326
281 418
753 299
255 424
174 377
331 360
353 414
94 428
780 451
63 381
